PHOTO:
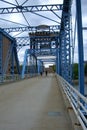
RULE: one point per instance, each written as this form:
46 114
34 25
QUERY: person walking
46 72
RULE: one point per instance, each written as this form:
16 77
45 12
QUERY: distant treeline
75 70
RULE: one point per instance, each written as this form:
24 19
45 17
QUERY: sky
34 20
84 24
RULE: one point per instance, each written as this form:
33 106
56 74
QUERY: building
8 54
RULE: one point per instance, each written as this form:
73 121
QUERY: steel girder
64 50
40 66
19 9
30 68
12 58
22 41
42 45
65 47
10 55
51 28
7 59
42 52
16 57
80 46
1 70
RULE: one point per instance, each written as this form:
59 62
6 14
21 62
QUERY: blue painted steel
62 51
6 34
8 56
9 59
32 67
52 28
40 66
60 56
19 9
80 46
43 52
57 61
57 58
1 44
24 64
16 57
65 49
12 63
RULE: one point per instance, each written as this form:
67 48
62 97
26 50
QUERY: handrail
15 77
9 78
77 100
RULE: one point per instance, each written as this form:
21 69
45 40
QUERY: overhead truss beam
19 9
31 28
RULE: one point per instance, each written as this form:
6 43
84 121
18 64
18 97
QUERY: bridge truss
48 40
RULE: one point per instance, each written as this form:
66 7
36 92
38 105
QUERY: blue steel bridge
47 102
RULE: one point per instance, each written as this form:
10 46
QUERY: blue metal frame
62 51
11 54
80 46
7 58
24 64
52 28
40 66
33 64
16 57
12 62
57 61
65 47
19 9
1 44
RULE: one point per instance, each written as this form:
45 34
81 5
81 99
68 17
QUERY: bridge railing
15 77
77 101
9 78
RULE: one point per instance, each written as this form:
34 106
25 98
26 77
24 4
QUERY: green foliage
54 68
85 69
75 71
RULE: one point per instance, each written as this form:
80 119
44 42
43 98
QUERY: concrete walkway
33 104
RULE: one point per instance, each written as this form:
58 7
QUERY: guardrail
77 100
10 78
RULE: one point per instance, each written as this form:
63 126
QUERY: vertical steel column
68 49
56 61
80 46
1 44
16 57
12 62
62 54
30 65
35 65
59 65
65 48
38 62
8 57
24 64
57 56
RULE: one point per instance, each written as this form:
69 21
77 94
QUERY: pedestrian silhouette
46 72
41 73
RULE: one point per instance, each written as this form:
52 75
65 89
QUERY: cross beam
19 9
51 28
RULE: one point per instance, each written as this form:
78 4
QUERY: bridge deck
33 104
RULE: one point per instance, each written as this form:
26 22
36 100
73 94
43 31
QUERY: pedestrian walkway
33 104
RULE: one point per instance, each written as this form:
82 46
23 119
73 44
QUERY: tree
75 71
85 69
